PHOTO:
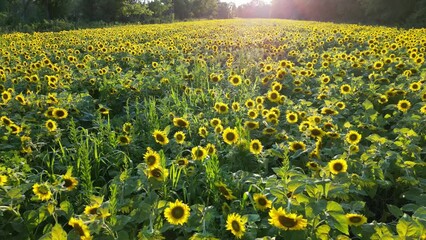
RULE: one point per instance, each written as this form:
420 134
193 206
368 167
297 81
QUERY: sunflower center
316 132
235 226
262 201
345 89
156 173
93 210
151 160
223 190
181 123
199 153
255 146
355 219
160 138
60 113
353 137
297 146
287 222
178 212
404 105
274 96
338 167
292 117
79 229
43 190
67 182
230 136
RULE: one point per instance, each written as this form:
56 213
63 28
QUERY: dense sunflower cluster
214 129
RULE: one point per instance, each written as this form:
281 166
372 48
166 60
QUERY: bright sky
241 2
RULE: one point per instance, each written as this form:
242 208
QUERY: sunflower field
220 129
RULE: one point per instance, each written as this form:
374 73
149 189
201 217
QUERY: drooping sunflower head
355 219
80 227
353 137
177 213
286 221
160 137
180 122
256 146
225 191
230 136
338 166
236 224
261 201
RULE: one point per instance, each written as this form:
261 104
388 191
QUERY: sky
241 2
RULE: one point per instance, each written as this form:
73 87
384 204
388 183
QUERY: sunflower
225 191
177 213
423 109
345 89
59 113
198 153
378 65
314 166
256 146
297 145
253 113
3 179
353 137
179 137
273 96
81 228
127 127
202 131
235 80
355 219
235 106
103 110
180 122
269 131
158 172
291 117
5 121
328 111
341 105
230 136
21 99
215 121
182 162
211 149
69 182
403 105
152 158
42 191
218 129
160 137
261 202
14 129
286 221
251 125
6 96
92 209
316 132
124 140
235 223
338 166
415 86
250 103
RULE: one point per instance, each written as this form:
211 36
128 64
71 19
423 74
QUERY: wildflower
286 221
235 223
261 201
338 166
177 213
235 80
202 131
291 117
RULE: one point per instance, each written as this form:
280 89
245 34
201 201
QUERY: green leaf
376 138
395 211
406 227
410 207
340 222
58 233
67 208
420 213
367 104
322 232
334 207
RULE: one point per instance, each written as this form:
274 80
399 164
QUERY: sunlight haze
241 2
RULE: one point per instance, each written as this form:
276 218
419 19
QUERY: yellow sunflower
6 96
236 224
160 137
403 105
345 89
251 125
286 221
235 80
157 172
42 191
180 122
230 136
353 137
297 145
124 140
215 121
202 131
253 113
5 121
210 148
179 137
69 182
80 227
59 113
273 96
51 125
423 109
127 127
415 86
225 191
14 129
338 166
256 146
151 157
92 209
3 179
177 213
355 219
262 202
291 117
198 153
314 166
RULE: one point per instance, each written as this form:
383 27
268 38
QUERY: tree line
15 13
